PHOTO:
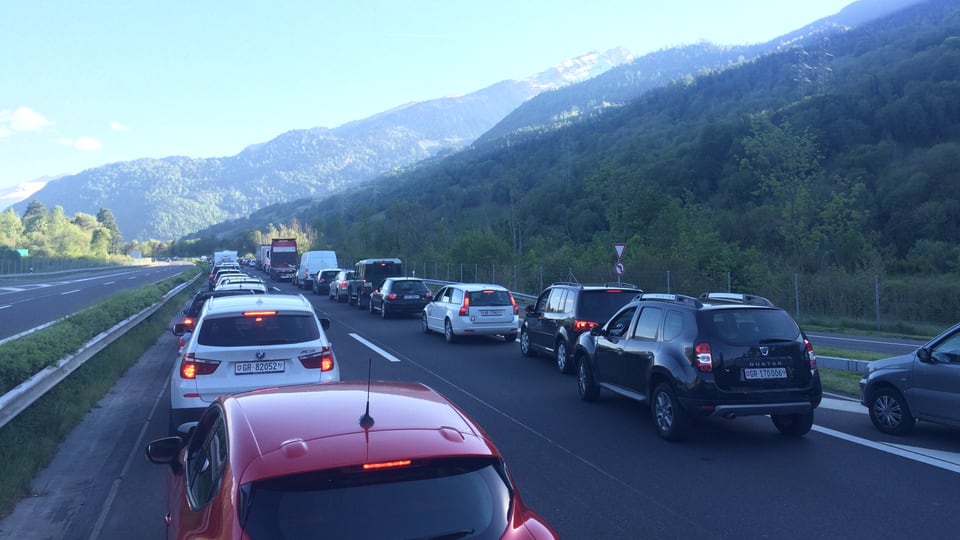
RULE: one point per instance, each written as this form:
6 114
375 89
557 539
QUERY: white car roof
471 287
247 284
236 304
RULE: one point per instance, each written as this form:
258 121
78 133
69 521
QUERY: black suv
563 311
721 354
368 274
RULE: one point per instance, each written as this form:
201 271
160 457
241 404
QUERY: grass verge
30 441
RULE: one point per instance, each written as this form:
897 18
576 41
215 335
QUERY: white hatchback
472 309
248 342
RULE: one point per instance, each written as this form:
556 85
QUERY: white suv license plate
751 374
248 368
491 312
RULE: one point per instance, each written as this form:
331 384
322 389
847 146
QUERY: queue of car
246 464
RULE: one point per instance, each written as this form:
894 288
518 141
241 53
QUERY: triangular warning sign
619 248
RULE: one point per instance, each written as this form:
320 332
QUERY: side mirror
165 451
923 354
530 308
180 329
597 331
325 323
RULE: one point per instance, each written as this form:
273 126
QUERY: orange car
340 460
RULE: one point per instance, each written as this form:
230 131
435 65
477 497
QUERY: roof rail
736 298
665 297
624 285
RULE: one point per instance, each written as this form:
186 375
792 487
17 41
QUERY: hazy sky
88 83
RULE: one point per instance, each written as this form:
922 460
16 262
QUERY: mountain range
171 197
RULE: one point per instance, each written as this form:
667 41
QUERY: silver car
922 385
246 342
472 309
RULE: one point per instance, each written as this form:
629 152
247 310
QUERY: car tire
448 334
890 413
793 425
563 360
525 348
586 382
669 419
423 324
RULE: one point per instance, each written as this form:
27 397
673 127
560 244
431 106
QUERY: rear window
377 272
460 498
599 305
240 331
490 298
409 286
748 326
329 275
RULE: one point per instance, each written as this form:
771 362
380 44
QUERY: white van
310 263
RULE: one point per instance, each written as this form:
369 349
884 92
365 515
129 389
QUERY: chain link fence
880 301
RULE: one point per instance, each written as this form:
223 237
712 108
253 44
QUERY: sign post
618 247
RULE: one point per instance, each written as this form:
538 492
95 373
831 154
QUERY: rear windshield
598 306
748 326
329 275
462 498
240 331
490 298
409 286
377 272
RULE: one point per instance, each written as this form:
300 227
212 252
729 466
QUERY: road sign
619 250
619 268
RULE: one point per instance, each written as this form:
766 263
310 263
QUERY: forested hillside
835 163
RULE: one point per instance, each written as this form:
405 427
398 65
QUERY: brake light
704 358
259 313
583 326
516 308
191 367
322 359
386 465
810 355
392 296
466 305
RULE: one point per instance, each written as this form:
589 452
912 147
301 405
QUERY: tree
35 217
11 228
785 166
109 223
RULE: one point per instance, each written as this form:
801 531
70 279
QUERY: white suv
248 342
472 309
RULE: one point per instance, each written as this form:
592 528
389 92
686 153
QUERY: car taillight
343 284
322 359
387 465
583 326
704 358
516 308
392 296
188 321
191 367
428 294
466 305
810 356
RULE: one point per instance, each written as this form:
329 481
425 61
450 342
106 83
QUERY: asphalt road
30 301
593 470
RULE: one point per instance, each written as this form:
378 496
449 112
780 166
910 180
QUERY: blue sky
88 83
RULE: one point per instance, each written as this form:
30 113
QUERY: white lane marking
6 306
109 282
12 289
70 292
949 461
132 277
376 349
842 405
